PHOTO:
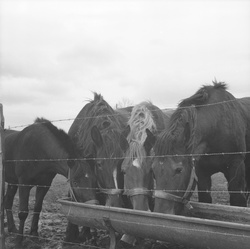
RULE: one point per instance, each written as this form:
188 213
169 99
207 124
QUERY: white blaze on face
115 177
136 163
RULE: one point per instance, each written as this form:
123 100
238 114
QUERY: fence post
2 181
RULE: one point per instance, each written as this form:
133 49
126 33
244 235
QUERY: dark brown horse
97 131
138 175
208 133
33 157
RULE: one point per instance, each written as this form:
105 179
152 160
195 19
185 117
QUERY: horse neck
60 156
62 169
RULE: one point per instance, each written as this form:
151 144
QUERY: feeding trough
206 226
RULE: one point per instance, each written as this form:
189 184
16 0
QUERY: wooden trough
205 226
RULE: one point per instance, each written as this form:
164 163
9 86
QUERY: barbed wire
89 217
121 158
207 231
87 245
149 190
118 114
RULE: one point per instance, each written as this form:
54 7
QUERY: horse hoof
70 239
85 236
123 245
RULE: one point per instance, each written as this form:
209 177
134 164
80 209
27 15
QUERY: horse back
27 151
245 105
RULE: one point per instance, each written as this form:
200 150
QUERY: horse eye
178 171
75 183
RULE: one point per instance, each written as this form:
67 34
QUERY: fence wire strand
118 114
120 158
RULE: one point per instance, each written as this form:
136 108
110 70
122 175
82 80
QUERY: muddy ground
53 223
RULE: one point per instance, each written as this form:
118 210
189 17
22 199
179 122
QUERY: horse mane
63 138
187 112
140 120
143 116
97 112
175 131
202 96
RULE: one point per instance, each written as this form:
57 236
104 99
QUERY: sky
55 53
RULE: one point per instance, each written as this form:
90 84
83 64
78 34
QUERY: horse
138 175
209 132
33 157
97 131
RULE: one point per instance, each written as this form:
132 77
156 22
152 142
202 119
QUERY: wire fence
59 239
118 114
86 245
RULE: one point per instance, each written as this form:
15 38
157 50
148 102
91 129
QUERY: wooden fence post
2 181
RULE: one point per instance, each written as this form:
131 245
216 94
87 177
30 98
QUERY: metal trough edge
190 231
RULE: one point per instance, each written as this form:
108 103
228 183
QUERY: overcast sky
54 54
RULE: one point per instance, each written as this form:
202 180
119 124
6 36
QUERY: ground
53 223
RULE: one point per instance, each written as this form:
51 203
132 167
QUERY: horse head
138 175
96 132
81 176
173 169
108 161
210 121
82 180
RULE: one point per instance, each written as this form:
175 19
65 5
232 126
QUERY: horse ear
96 136
150 140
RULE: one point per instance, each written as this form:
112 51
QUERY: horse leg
204 186
41 191
72 233
237 184
24 192
8 203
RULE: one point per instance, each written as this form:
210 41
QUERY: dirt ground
52 225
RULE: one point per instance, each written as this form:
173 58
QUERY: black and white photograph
124 124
